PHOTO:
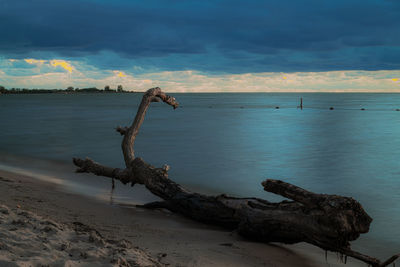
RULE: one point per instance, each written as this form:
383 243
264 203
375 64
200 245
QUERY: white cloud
78 74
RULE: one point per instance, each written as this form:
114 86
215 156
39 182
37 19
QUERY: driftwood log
327 221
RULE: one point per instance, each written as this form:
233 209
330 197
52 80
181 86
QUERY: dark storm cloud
217 36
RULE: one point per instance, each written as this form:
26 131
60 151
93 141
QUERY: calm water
220 143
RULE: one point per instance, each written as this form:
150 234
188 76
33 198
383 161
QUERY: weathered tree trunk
327 221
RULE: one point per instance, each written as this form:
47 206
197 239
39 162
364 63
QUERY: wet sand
84 231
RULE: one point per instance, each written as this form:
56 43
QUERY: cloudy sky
202 46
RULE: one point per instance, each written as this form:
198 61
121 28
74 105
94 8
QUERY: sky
202 46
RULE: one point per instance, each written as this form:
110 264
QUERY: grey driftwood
327 221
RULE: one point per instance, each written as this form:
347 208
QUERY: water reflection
228 148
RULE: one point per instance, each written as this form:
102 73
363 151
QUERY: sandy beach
41 224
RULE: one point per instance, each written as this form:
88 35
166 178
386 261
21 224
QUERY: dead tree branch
327 221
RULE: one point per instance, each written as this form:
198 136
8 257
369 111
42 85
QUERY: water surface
221 143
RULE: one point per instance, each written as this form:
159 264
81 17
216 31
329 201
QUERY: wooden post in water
301 103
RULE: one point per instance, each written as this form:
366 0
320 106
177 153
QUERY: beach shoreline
167 238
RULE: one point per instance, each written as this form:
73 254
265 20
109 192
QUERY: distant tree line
70 89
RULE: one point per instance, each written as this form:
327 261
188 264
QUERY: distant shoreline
62 91
95 90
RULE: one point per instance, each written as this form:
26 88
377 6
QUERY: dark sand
152 237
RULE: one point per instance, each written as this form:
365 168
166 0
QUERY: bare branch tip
267 181
166 168
390 260
122 130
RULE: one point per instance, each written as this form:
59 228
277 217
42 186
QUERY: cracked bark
327 221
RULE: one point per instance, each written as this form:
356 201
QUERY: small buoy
276 107
331 108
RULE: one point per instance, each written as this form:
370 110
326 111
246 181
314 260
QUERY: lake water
221 143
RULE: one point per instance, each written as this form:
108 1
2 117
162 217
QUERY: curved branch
327 221
152 95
